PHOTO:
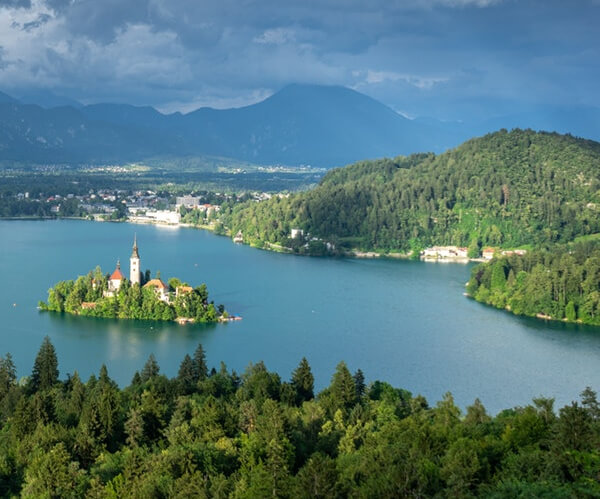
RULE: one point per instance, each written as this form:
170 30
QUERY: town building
187 201
487 253
444 252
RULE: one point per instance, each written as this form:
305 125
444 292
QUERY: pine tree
45 367
8 375
150 369
137 379
185 376
359 383
303 381
200 369
342 387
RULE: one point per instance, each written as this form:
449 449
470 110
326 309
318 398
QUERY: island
139 297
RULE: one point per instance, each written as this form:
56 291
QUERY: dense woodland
506 189
130 301
214 433
562 282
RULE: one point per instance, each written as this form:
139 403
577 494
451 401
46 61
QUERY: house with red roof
160 288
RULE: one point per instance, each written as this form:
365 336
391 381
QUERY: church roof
117 275
155 283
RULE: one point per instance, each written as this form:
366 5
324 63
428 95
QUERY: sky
448 59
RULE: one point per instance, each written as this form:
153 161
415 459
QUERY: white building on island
114 281
135 275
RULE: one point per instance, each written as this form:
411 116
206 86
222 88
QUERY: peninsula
139 297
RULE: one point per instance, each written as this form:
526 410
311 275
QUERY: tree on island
92 295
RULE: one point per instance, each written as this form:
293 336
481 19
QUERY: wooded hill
505 189
561 283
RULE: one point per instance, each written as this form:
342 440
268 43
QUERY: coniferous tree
186 377
45 367
343 388
137 379
150 369
359 383
200 368
303 381
8 374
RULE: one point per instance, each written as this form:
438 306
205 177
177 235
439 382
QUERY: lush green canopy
217 434
505 189
559 283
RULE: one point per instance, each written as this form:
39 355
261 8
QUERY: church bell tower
135 275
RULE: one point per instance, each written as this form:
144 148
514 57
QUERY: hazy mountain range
301 124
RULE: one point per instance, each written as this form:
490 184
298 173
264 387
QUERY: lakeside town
190 210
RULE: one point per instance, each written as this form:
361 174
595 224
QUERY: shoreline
539 316
268 246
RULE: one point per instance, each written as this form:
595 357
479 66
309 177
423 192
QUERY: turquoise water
404 322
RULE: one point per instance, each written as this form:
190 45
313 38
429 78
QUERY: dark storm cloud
19 4
419 56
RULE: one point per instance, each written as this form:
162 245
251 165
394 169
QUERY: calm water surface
404 322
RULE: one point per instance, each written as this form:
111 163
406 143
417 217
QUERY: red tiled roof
155 283
117 275
185 289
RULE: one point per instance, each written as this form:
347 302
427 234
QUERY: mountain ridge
319 125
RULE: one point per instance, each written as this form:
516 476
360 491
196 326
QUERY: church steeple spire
134 253
135 275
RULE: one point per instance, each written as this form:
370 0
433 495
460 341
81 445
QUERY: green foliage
559 283
45 368
505 189
226 436
90 295
303 382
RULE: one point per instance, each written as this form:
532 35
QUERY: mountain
29 133
5 98
47 99
504 189
309 124
301 124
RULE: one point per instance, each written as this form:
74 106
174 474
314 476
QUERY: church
135 276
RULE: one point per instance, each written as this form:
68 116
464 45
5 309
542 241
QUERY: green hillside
561 283
504 189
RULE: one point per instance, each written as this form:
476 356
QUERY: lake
404 322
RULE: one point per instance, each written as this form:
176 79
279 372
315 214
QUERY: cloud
415 55
275 36
421 82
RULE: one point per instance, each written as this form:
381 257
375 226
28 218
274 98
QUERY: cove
404 322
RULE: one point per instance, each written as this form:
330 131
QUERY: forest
87 296
561 282
506 189
216 433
